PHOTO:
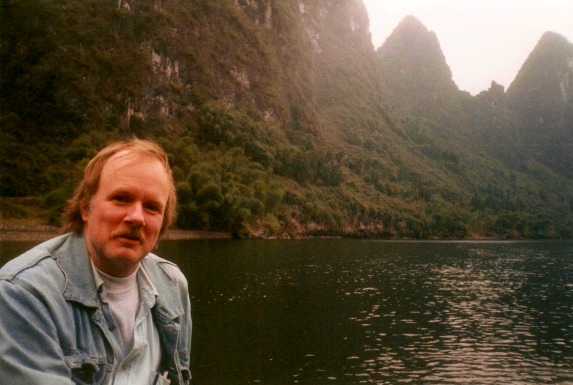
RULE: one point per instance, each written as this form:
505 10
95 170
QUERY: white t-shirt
123 300
126 305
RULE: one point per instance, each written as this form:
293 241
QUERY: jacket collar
74 260
169 300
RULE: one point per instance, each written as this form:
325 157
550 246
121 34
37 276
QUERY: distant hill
282 120
414 65
541 99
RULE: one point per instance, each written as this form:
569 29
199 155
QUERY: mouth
131 236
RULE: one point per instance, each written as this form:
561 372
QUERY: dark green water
352 312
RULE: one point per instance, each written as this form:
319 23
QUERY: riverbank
40 233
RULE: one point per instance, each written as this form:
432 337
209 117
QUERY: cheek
153 224
105 220
112 213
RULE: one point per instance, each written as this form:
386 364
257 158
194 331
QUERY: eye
121 198
153 207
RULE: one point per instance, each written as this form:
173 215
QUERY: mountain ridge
541 96
285 123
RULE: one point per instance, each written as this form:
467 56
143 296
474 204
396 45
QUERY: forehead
127 168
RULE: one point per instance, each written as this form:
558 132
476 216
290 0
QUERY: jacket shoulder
34 261
171 269
171 286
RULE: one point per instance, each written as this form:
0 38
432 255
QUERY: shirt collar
82 282
147 291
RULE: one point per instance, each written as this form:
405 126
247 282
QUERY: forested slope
281 119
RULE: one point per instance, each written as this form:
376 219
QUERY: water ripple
474 321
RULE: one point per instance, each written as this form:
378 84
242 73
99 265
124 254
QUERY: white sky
482 40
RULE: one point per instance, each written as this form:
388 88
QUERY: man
93 306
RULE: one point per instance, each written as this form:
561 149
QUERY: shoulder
159 266
36 272
170 284
38 261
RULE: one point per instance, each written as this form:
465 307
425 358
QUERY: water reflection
363 312
484 317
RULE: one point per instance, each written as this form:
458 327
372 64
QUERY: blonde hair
72 217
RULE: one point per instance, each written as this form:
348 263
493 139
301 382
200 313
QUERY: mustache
130 233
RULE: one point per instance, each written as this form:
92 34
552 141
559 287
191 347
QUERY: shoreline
42 233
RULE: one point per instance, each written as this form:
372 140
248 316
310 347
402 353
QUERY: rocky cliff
281 119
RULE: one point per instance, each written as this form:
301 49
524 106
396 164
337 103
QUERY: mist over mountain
541 98
414 65
281 119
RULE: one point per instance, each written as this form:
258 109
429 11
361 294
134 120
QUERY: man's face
124 218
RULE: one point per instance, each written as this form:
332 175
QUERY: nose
135 215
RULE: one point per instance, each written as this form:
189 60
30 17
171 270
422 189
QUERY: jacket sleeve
29 349
187 375
184 341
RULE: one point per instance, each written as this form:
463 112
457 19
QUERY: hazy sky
482 40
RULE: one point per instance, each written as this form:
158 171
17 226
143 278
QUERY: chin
127 254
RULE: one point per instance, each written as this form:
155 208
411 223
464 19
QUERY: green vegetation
279 122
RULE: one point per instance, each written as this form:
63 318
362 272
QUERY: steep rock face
257 98
494 96
544 83
493 126
541 99
414 66
349 85
262 59
420 84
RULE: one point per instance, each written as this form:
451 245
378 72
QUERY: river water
376 312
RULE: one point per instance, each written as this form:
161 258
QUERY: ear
85 213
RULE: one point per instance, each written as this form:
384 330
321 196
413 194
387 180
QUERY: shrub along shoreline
40 233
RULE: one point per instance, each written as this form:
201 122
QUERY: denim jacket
51 320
